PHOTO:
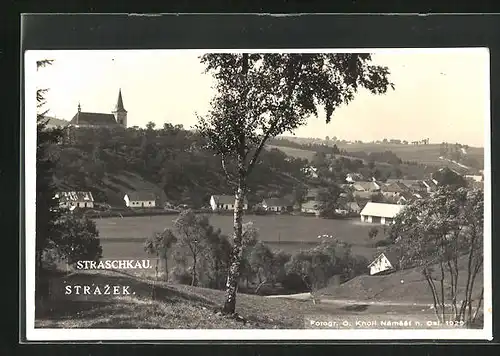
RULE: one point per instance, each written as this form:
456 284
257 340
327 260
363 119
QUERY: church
118 117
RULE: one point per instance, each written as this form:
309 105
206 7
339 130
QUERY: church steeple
120 112
119 104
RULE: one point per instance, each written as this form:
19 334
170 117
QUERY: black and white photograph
258 194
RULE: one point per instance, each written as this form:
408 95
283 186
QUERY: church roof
119 104
92 118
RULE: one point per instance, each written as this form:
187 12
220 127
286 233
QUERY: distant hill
428 155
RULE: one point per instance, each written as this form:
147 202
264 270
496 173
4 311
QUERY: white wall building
224 203
140 199
380 213
72 200
384 263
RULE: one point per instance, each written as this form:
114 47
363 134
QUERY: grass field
424 154
185 307
406 285
123 237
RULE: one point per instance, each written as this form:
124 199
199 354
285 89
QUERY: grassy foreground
186 307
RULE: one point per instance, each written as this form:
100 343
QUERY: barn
380 213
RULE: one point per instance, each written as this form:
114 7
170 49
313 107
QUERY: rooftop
382 210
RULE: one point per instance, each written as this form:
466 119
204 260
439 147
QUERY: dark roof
277 202
395 187
141 195
92 118
119 104
226 199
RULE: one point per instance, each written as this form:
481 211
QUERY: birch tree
260 96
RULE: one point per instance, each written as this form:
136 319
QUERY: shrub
384 242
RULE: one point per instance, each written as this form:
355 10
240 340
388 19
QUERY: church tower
120 112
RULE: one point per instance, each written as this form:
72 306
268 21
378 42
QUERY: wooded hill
170 161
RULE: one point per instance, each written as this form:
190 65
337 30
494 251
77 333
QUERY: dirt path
344 302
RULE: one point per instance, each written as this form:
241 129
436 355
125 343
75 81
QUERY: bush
385 242
180 275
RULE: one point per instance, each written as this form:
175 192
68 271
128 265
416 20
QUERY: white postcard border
38 334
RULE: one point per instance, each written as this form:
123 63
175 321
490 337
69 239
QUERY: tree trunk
166 268
236 253
193 275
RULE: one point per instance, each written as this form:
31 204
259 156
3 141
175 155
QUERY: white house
380 213
353 177
474 178
140 199
386 262
310 207
72 200
277 204
224 202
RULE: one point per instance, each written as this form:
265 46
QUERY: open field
407 285
123 237
183 307
424 154
294 152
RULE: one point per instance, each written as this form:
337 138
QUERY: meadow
423 154
124 237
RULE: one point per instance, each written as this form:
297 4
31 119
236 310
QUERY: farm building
140 199
72 200
384 263
277 204
380 213
224 202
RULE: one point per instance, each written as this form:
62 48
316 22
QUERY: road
331 300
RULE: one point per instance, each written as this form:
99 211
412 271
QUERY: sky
442 95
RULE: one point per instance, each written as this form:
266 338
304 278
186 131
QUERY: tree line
194 252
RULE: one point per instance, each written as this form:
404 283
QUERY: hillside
171 162
406 285
185 307
429 154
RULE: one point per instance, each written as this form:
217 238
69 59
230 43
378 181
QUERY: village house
393 189
384 263
380 213
118 118
225 203
71 200
474 178
140 199
354 177
310 171
277 205
413 185
366 187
